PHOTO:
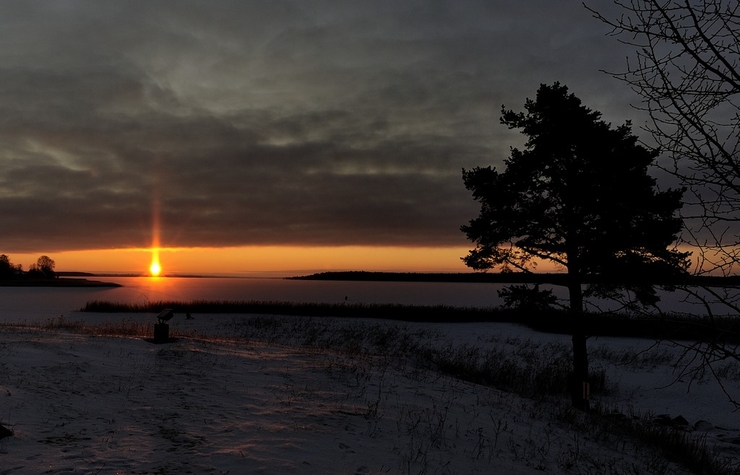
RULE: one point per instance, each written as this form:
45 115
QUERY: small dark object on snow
188 316
165 315
4 432
680 421
703 426
676 422
162 329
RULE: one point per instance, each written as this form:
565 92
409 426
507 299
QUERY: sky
277 135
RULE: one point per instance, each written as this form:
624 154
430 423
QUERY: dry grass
535 370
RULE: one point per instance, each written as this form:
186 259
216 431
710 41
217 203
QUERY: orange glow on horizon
259 261
273 261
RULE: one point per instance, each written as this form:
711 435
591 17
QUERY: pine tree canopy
580 195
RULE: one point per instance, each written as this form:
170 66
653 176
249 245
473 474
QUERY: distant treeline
42 269
42 274
493 277
674 327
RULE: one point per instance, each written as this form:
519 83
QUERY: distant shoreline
478 277
497 277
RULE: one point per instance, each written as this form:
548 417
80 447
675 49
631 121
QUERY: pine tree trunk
579 381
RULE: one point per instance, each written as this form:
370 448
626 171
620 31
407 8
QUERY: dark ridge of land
669 327
477 277
60 282
495 277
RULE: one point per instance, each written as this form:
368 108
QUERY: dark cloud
271 122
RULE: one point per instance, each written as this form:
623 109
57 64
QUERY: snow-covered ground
213 402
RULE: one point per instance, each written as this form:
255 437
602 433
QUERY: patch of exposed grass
675 444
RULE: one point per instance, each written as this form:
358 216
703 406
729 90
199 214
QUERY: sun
155 269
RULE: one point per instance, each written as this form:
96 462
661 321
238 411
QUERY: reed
663 327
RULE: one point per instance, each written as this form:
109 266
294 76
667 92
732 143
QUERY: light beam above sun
155 268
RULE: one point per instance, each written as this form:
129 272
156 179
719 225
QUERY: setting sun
155 269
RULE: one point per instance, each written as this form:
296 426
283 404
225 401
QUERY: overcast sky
309 122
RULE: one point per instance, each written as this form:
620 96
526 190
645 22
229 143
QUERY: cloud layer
310 122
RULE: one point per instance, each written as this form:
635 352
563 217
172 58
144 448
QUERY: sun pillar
155 268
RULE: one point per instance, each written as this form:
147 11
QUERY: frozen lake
31 303
20 303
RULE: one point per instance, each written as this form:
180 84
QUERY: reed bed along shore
725 329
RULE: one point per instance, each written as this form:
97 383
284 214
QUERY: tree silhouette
685 68
46 265
578 195
524 298
6 268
